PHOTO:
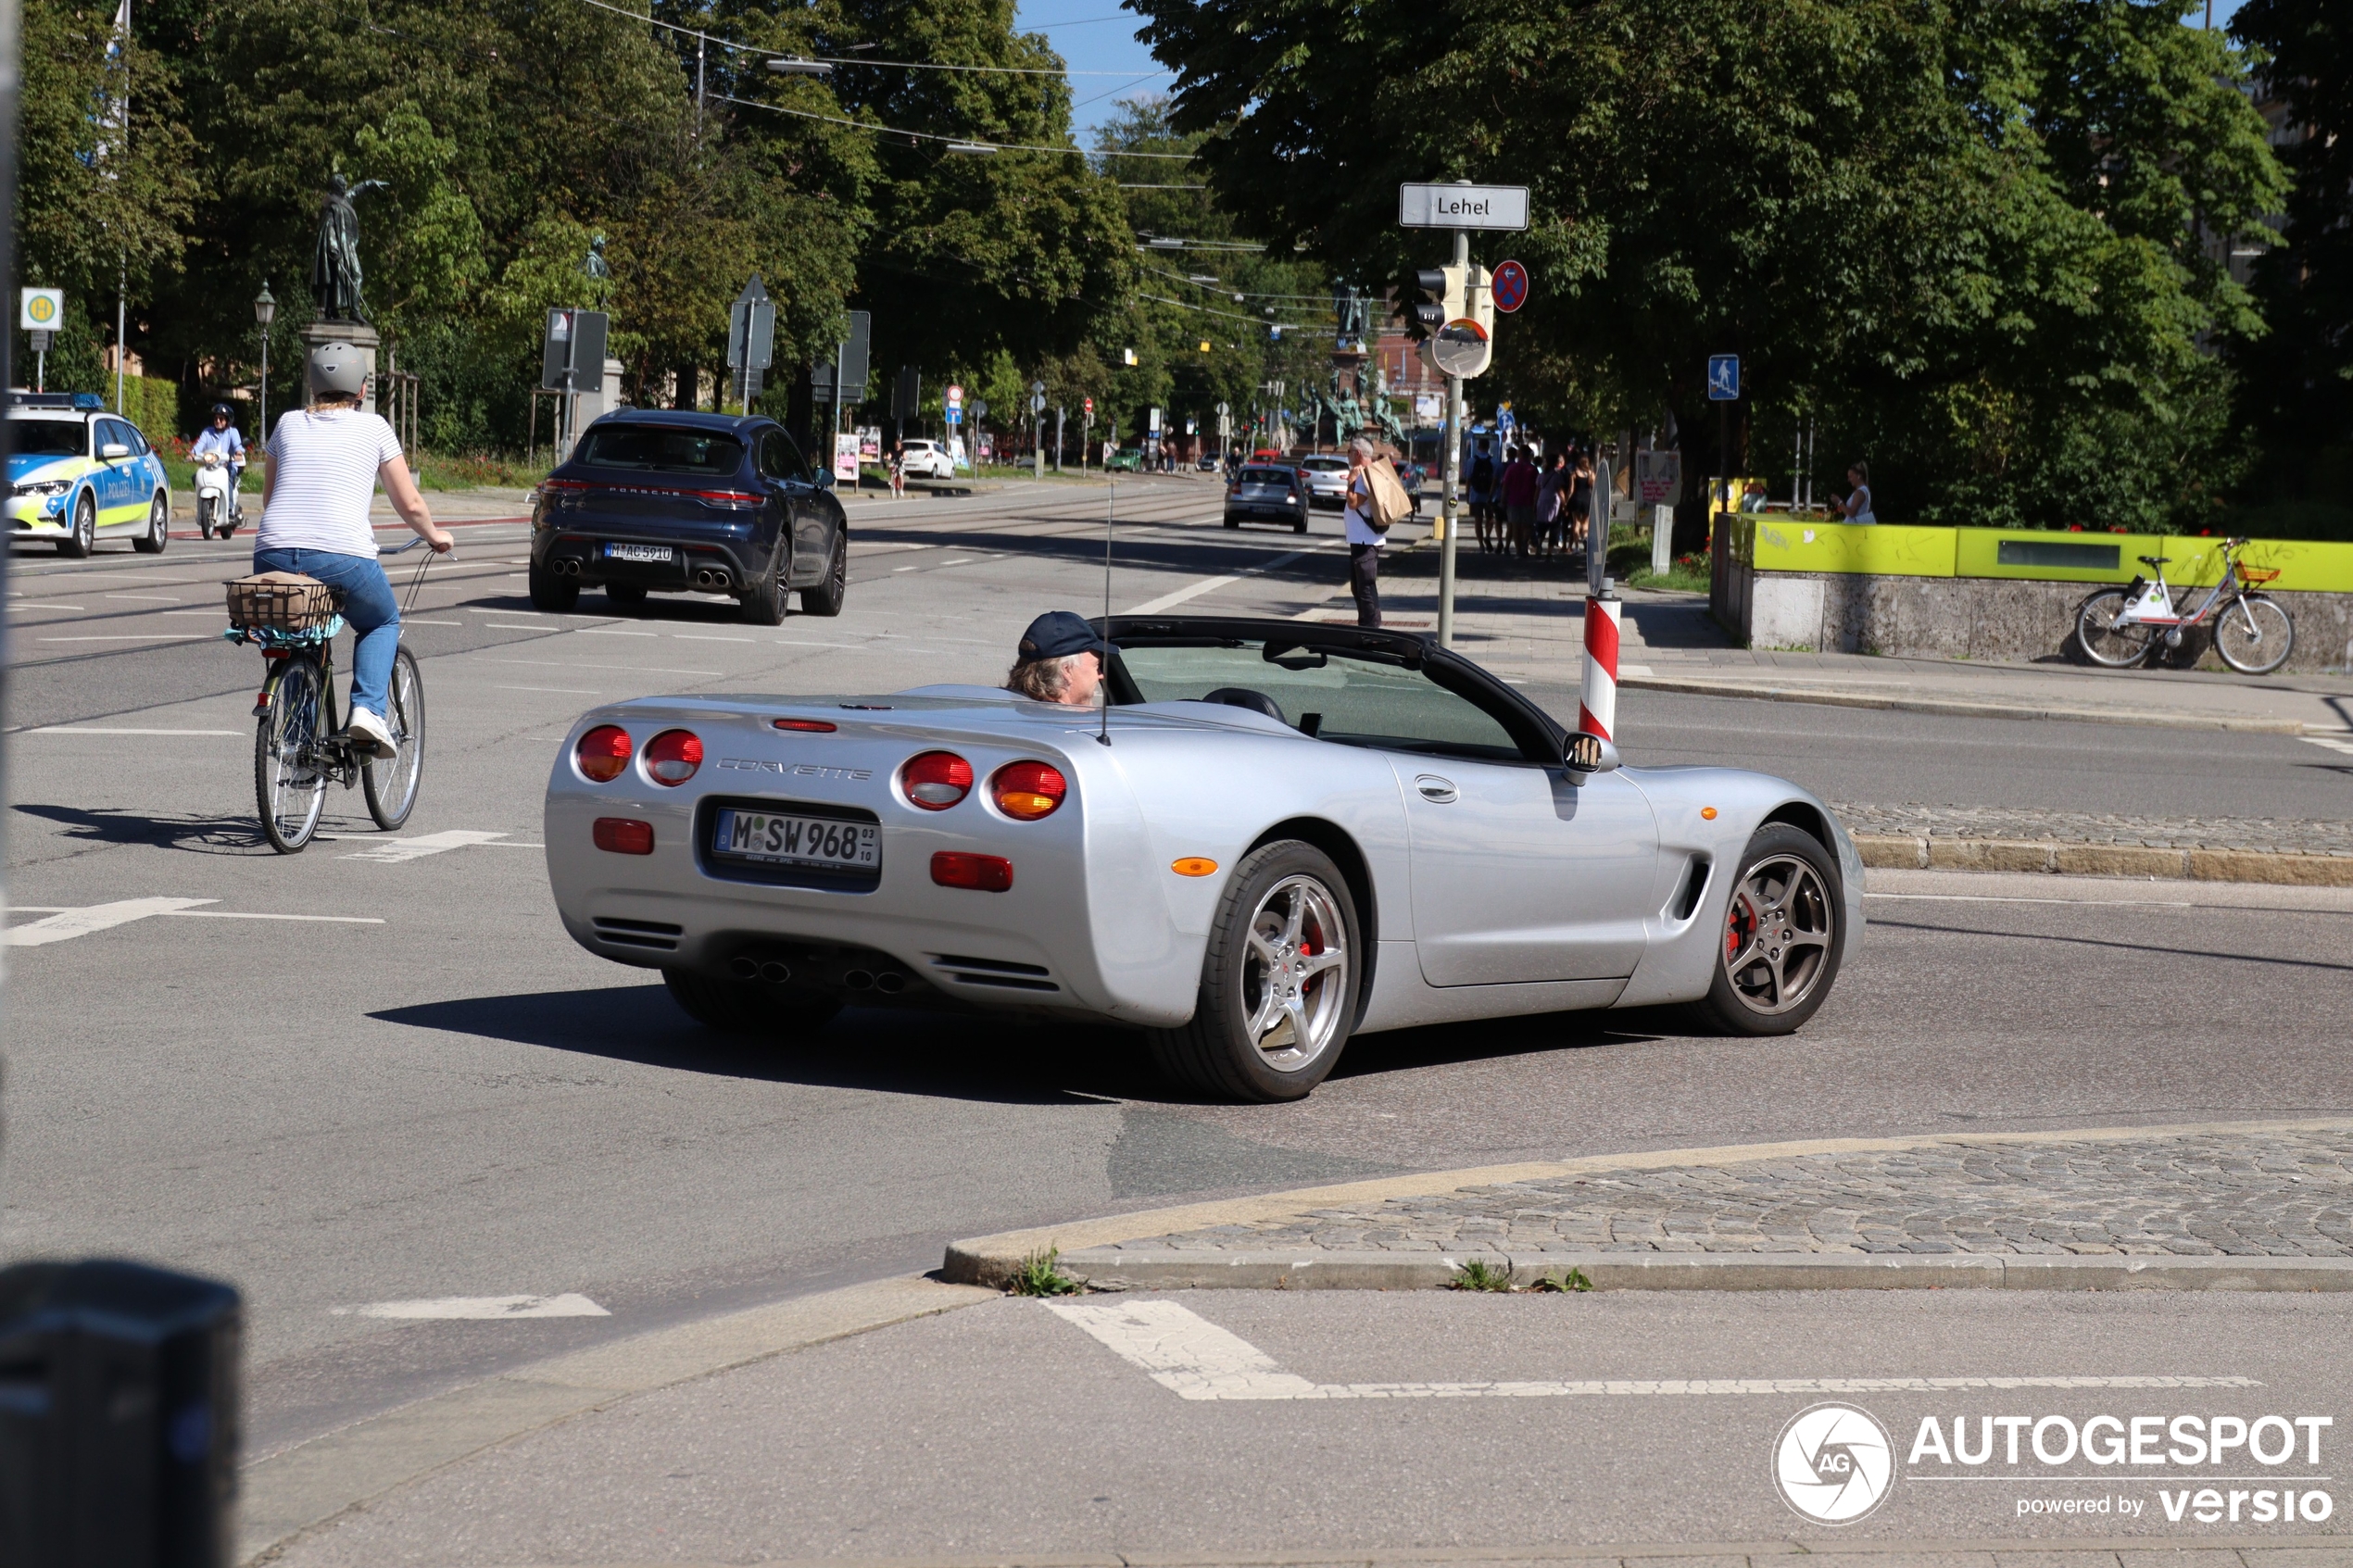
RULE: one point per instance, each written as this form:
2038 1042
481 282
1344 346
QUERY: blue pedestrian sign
1723 377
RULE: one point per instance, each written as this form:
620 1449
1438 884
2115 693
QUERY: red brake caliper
1739 928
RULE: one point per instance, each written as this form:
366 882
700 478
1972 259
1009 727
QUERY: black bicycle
298 749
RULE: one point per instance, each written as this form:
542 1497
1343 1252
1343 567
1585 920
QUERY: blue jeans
367 604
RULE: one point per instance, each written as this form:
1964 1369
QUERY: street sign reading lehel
1510 286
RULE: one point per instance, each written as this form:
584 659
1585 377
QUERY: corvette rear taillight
936 779
983 873
619 836
673 756
603 752
1026 791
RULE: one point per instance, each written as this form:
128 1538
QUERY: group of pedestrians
1523 510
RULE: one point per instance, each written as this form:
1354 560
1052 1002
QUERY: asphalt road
1004 1430
390 1077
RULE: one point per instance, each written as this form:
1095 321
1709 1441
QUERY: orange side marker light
1194 865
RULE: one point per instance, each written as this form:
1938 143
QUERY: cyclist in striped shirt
323 464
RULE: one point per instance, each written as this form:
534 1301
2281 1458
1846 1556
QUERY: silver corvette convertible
1279 835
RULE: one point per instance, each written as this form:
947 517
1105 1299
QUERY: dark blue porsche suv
657 501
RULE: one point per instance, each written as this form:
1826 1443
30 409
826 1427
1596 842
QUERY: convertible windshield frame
1533 735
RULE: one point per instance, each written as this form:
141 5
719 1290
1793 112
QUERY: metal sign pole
1450 514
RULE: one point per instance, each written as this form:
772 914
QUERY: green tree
1943 226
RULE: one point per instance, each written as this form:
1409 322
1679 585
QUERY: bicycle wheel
2254 635
2103 641
289 774
390 782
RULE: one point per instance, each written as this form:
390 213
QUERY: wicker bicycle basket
281 601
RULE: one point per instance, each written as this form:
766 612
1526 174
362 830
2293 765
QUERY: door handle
1435 788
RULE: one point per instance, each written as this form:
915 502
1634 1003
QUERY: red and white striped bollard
1597 708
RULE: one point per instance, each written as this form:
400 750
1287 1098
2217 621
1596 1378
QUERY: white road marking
1170 601
512 626
233 914
961 561
559 691
1997 898
154 598
1197 1360
903 569
413 621
23 603
574 664
613 631
568 1305
394 851
68 924
2330 742
813 643
95 730
705 637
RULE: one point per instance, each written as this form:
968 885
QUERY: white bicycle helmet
338 370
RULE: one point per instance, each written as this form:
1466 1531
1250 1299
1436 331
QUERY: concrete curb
991 1260
1119 1268
1937 852
1966 707
289 1493
1861 1551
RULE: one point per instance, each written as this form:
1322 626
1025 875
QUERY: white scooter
217 509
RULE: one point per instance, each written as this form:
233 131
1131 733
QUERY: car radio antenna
1111 508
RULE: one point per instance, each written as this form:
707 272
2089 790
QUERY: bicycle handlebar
402 549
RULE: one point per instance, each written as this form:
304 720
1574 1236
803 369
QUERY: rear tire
828 596
748 1007
159 531
289 774
1264 1027
2103 641
1784 933
552 593
768 601
392 783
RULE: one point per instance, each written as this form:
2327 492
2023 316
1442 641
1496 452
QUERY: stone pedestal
360 335
593 401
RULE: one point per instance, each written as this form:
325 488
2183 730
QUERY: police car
77 472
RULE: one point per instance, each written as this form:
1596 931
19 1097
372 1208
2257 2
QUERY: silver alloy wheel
1295 974
1778 934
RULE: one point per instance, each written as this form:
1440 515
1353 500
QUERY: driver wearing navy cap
1058 660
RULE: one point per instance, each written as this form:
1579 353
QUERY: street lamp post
265 310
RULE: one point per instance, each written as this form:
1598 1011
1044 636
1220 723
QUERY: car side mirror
824 479
114 449
1589 754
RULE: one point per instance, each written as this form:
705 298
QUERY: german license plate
782 839
637 552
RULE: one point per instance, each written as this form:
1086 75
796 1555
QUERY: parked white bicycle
2120 627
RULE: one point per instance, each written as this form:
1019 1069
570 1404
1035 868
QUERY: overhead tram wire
846 60
966 142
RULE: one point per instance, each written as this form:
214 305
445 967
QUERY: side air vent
1001 972
1695 887
651 934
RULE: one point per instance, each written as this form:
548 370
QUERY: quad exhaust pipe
769 969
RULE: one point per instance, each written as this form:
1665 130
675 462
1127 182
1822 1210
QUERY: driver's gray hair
1043 679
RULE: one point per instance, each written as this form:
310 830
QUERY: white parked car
1327 480
926 459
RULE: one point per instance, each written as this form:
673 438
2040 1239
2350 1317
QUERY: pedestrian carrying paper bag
1390 504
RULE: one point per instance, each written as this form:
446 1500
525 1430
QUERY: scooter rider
221 437
324 463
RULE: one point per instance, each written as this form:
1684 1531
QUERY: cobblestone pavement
2245 1194
2083 827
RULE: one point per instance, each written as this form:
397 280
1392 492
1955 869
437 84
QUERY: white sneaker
369 734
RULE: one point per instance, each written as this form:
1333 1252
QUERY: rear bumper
578 555
1245 511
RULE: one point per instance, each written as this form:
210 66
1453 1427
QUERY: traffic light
1444 290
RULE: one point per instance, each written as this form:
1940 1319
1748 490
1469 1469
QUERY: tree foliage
1958 232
